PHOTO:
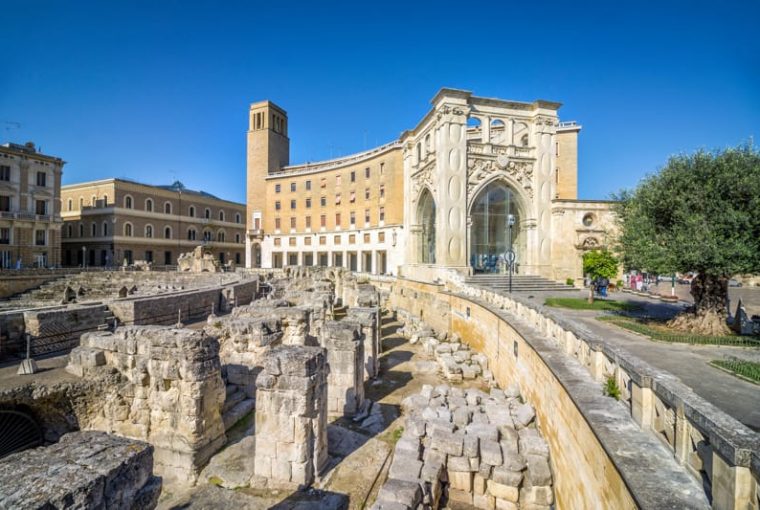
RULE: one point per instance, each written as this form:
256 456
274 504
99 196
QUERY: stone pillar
368 319
731 485
345 356
641 404
291 418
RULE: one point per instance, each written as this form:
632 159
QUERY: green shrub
743 368
570 281
611 388
642 327
620 284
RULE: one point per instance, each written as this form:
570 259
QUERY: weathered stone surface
404 492
343 342
83 470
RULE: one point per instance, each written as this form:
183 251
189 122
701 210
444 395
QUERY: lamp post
84 257
510 252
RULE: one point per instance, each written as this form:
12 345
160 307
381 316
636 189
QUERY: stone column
368 320
345 356
291 418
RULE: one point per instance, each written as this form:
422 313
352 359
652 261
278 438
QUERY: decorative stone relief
482 169
424 178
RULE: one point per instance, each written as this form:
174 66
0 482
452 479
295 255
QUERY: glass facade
490 233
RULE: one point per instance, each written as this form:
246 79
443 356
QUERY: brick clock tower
268 151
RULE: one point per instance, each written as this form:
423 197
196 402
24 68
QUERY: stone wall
369 320
166 309
598 454
344 344
90 470
172 395
16 282
291 417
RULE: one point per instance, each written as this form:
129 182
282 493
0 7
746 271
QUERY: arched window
167 232
220 236
237 238
207 236
81 230
81 203
524 140
93 199
498 132
221 215
426 220
149 205
167 208
128 229
191 211
149 231
207 214
491 235
70 204
191 234
69 231
237 218
128 202
94 229
418 148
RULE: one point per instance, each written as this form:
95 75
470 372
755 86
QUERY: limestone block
450 443
460 464
502 491
404 492
530 442
409 445
460 480
485 431
490 452
484 501
470 447
505 476
503 504
536 496
538 472
460 496
523 415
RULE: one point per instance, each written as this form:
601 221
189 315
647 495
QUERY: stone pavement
690 363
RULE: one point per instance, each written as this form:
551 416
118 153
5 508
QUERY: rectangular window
5 203
5 173
308 222
322 240
41 178
292 241
381 237
353 197
277 223
5 235
292 187
353 176
382 168
257 223
366 238
337 199
382 214
149 255
323 182
353 218
277 188
308 203
323 221
366 194
352 239
292 222
382 191
337 180
308 185
337 219
366 215
292 204
40 207
307 240
336 239
323 201
277 241
366 172
277 205
39 237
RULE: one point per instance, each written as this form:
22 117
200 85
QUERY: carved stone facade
451 184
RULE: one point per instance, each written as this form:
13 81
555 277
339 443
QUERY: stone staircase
236 406
520 283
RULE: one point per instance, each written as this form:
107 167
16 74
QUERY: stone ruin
170 394
200 260
466 446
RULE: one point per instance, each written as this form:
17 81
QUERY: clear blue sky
155 91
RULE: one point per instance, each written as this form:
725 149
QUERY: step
234 415
232 400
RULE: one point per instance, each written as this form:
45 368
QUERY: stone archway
489 227
426 231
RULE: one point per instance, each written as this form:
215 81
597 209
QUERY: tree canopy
600 264
701 213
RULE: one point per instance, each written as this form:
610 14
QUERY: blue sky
157 91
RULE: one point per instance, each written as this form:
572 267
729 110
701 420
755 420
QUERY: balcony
255 233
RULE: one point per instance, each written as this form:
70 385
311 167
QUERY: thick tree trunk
710 311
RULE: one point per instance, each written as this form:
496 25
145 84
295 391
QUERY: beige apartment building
477 181
114 222
30 207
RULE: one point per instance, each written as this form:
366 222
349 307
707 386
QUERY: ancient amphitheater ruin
322 388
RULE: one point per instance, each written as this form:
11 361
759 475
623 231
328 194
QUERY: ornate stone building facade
30 207
111 222
442 196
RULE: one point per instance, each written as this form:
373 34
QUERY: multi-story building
112 222
30 207
477 182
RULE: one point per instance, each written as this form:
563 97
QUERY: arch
128 229
81 230
191 234
167 207
208 236
498 132
128 201
221 215
149 230
167 232
94 229
237 218
70 204
69 230
426 213
18 431
207 213
220 235
191 211
490 235
149 204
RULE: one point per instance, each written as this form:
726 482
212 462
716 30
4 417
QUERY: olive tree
700 213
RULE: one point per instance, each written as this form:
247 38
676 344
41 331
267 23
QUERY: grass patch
748 370
213 480
604 305
611 388
657 330
396 434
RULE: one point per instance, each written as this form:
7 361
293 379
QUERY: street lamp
84 257
510 251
